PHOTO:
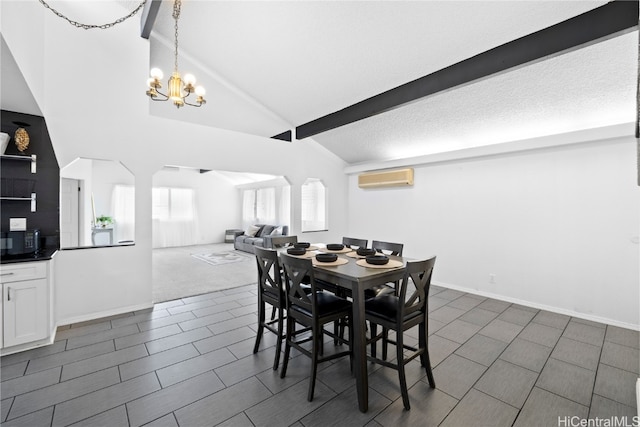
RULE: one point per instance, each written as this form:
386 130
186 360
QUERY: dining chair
282 241
401 313
387 248
312 310
350 242
270 291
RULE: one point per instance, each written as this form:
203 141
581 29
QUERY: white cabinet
25 302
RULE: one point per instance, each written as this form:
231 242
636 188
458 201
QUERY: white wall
92 97
558 227
215 198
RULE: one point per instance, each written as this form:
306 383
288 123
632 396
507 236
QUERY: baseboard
101 314
593 318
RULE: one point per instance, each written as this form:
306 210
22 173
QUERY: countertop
43 255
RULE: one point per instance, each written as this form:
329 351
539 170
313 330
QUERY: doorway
69 212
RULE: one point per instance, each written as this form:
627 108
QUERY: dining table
357 277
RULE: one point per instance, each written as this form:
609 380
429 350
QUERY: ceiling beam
148 17
284 136
598 24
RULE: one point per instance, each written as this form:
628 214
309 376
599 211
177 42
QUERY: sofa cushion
276 231
252 231
266 230
254 241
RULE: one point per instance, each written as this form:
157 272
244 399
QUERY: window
175 219
172 204
313 205
266 205
259 206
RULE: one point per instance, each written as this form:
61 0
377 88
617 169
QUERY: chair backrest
418 274
280 241
391 248
295 271
269 277
351 242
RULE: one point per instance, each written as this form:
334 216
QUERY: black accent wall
46 180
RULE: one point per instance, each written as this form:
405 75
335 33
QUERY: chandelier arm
91 26
166 97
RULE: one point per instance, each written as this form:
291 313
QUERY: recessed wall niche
97 204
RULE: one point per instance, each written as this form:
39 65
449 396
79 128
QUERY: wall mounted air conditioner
386 178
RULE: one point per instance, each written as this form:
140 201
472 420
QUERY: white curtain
266 205
313 211
248 208
175 219
285 206
124 212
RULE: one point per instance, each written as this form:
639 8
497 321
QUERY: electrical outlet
492 278
17 224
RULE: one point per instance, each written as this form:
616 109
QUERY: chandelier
179 89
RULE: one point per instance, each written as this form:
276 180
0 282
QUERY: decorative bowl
304 245
377 259
296 251
335 246
365 251
326 257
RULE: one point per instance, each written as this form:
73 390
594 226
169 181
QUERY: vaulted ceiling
270 66
293 62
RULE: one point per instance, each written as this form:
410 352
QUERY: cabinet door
25 311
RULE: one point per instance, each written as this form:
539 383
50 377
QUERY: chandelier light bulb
156 73
150 81
200 91
189 79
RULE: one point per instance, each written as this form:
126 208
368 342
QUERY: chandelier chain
90 26
176 15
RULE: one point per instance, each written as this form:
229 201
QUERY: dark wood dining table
357 279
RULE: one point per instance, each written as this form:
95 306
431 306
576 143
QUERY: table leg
360 349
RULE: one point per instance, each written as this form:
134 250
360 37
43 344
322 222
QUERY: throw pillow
276 232
252 230
266 230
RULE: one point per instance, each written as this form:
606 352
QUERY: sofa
258 235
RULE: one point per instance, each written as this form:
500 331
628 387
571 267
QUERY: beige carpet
178 274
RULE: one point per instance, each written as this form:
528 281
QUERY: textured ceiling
584 89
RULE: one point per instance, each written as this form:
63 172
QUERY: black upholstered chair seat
326 304
386 307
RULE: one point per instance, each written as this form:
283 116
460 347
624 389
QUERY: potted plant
103 221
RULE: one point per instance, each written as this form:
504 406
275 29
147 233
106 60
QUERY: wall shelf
31 199
32 158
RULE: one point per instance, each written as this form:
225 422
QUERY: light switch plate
17 224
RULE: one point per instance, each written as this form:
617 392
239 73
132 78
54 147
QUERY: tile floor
189 362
